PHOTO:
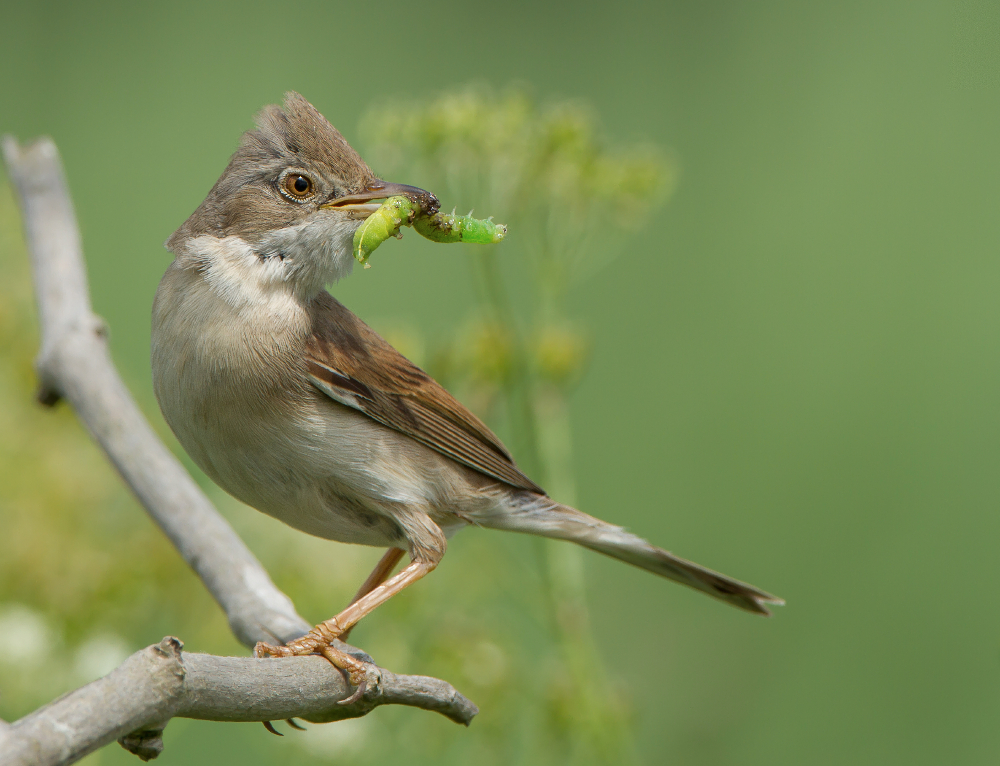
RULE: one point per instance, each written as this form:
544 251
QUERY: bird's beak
362 203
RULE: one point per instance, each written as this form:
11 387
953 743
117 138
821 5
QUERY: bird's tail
542 516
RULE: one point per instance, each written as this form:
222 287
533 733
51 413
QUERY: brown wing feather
354 365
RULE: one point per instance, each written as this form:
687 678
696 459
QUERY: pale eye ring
296 185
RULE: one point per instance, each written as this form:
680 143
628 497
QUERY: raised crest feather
297 128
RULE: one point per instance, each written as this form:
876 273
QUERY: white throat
315 253
294 262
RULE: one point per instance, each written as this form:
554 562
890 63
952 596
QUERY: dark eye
297 186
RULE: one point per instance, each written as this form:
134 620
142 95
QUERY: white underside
228 339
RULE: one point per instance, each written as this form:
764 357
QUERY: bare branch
135 701
158 683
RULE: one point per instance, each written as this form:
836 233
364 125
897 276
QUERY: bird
294 406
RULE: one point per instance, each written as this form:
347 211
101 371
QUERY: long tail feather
541 516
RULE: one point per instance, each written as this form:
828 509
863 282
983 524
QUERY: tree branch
74 364
134 702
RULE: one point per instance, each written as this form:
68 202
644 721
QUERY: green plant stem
518 391
539 421
599 711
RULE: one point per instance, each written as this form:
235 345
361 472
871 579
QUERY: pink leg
378 576
318 639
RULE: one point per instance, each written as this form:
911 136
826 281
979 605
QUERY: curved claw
291 722
270 727
358 693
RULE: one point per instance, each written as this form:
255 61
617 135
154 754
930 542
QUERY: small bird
294 406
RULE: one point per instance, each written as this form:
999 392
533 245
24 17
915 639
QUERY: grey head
292 196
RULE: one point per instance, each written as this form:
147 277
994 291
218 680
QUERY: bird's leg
318 639
335 626
380 573
378 576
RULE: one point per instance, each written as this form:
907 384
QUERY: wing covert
353 365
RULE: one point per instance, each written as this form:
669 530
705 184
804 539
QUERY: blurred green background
792 375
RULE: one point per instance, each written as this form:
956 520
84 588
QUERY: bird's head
285 209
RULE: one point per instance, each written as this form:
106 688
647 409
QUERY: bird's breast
235 391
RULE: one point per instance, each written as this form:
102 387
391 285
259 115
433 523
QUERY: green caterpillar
402 211
459 228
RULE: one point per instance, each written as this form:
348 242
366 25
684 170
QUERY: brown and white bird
296 407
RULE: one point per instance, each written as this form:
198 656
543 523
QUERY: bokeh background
790 374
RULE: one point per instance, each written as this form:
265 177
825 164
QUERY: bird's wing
354 365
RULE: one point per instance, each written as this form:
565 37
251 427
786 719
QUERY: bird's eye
297 186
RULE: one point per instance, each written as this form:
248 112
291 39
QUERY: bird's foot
362 675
